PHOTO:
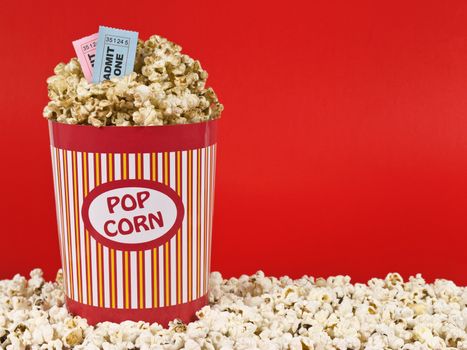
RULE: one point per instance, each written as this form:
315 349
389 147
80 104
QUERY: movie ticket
86 51
115 53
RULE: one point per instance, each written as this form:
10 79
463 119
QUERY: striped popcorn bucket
134 213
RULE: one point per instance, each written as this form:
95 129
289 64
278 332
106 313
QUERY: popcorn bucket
134 213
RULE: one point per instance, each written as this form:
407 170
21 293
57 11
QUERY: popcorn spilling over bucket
133 142
135 218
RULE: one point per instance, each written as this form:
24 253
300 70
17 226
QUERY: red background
343 144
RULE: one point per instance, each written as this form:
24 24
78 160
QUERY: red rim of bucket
162 315
132 139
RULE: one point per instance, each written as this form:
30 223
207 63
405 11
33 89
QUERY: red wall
343 144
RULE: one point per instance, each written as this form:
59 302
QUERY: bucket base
162 315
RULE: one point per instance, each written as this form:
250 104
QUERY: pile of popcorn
166 87
254 312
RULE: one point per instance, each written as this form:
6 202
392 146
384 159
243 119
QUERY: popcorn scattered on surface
166 87
254 312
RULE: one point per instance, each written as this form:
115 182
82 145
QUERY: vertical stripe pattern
173 273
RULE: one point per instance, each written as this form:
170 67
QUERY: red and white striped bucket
134 213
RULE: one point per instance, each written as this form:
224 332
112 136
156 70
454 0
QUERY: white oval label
132 214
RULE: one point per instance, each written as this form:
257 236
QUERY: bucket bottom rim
186 312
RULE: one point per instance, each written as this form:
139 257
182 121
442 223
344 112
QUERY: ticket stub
86 51
115 53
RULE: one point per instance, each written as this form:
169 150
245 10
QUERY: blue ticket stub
115 53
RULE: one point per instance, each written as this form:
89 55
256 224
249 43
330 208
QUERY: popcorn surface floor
254 312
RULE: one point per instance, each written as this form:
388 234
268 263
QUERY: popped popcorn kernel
166 87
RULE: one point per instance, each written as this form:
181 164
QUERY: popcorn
253 312
166 87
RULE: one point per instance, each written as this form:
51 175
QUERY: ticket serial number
118 41
89 46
